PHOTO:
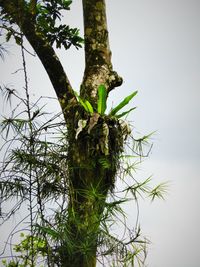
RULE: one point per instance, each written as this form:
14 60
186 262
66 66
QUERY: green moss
88 31
99 5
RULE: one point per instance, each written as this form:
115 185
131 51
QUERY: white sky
156 49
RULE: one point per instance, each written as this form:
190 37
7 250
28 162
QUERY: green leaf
18 40
159 191
117 202
125 113
89 106
8 36
122 104
48 230
102 95
84 103
104 163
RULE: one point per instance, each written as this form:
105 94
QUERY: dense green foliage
48 20
48 13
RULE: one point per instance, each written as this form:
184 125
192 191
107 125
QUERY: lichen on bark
98 65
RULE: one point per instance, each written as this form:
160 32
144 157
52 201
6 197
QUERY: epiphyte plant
102 103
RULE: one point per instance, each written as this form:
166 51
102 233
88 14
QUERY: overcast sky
156 49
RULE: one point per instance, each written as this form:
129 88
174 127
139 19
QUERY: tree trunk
93 155
92 170
98 66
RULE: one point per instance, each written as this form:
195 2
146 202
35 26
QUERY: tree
80 169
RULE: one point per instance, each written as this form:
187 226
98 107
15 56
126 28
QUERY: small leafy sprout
159 191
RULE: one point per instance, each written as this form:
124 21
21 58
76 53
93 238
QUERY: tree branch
98 68
17 10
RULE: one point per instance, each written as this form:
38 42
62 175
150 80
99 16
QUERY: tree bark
98 64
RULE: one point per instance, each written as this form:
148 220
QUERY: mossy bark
92 170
